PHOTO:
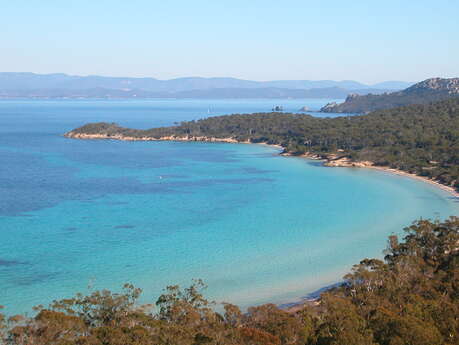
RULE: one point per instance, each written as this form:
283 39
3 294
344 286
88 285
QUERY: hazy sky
364 40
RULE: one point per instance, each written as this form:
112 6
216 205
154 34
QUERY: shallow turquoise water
257 227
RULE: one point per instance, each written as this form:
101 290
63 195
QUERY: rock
329 107
451 85
346 162
352 96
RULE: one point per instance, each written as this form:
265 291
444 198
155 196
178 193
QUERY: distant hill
63 85
427 91
217 93
272 92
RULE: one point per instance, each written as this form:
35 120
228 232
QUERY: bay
255 226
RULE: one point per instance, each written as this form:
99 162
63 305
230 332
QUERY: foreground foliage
412 297
420 139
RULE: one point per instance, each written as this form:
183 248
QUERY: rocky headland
430 90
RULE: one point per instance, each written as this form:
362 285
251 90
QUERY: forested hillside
420 139
412 297
427 91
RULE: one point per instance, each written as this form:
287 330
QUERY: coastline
445 188
165 138
345 162
311 299
330 161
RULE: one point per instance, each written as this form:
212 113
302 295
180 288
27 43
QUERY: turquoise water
257 227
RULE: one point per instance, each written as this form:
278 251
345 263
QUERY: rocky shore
165 138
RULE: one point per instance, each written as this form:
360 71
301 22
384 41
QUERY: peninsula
421 140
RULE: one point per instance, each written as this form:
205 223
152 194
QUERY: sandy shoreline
310 300
448 189
368 165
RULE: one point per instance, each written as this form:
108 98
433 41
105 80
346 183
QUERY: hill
418 139
427 91
30 85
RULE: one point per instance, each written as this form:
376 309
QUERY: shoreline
311 299
346 163
445 188
331 161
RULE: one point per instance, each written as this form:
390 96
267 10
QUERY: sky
365 40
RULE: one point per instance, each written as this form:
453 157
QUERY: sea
256 227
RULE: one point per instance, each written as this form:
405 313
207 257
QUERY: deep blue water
78 215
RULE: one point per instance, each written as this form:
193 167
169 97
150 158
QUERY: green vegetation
365 103
430 90
412 297
420 139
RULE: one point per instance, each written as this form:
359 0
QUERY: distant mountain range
13 85
427 91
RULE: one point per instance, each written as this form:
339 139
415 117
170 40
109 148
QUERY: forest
420 139
411 297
